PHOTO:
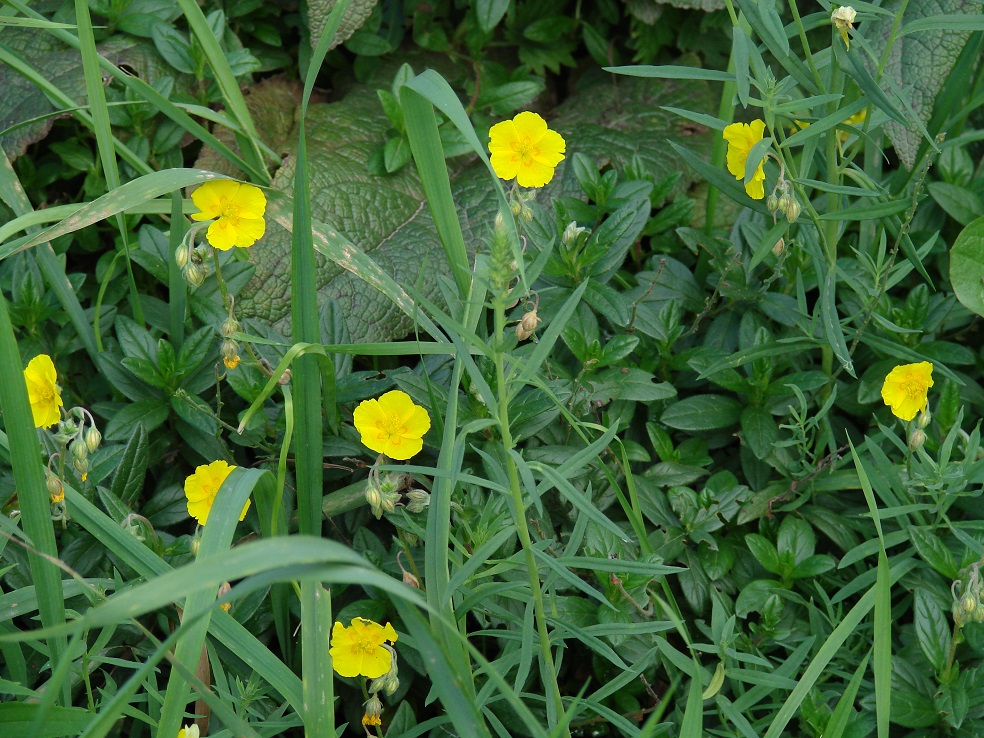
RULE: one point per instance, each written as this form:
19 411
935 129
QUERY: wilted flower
906 389
526 150
43 391
843 19
237 209
741 137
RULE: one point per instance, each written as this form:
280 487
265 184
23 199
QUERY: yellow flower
368 719
855 120
237 209
526 150
43 391
741 137
359 651
189 731
202 486
392 425
906 387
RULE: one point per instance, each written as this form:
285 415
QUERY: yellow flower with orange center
526 150
906 389
43 391
358 650
202 487
741 137
237 209
392 425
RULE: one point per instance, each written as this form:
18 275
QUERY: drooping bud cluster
527 325
968 605
383 492
783 200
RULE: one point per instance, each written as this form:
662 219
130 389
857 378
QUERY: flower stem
547 670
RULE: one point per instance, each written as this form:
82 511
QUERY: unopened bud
782 204
410 580
82 467
225 589
916 439
92 439
526 214
79 449
194 274
374 497
230 353
772 203
571 233
968 603
516 208
284 378
923 419
230 327
419 500
55 489
793 210
779 247
978 615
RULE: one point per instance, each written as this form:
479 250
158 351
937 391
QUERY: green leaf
673 72
32 720
763 551
703 413
149 414
932 628
961 204
934 552
967 267
759 430
129 479
490 12
921 59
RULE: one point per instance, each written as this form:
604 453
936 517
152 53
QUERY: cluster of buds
230 347
78 432
917 437
573 235
783 200
968 606
520 204
383 492
526 327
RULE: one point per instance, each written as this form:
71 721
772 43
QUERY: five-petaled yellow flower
392 425
359 651
906 388
43 391
202 486
237 209
741 137
189 731
526 150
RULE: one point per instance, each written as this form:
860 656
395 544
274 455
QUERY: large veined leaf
919 62
388 218
21 100
967 266
319 10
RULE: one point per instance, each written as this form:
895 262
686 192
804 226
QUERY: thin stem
546 657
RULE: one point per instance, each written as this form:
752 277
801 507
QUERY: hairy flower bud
79 449
917 439
194 274
230 327
779 247
92 439
793 210
571 233
284 378
181 257
843 17
772 203
55 489
419 500
923 419
782 204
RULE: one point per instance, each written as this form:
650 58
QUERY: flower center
230 208
913 388
364 645
48 393
525 150
391 426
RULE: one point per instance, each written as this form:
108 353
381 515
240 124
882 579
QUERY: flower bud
230 327
793 210
194 274
843 18
916 439
782 204
82 467
79 449
223 591
410 580
92 439
571 233
527 215
419 500
968 603
772 203
978 615
284 378
230 353
181 257
373 711
923 419
516 208
375 499
779 247
55 489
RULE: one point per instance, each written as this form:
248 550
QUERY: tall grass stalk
25 459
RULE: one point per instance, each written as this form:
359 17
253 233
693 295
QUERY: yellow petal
208 198
531 125
251 200
249 231
505 163
400 448
397 403
552 147
501 135
418 423
534 174
221 234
